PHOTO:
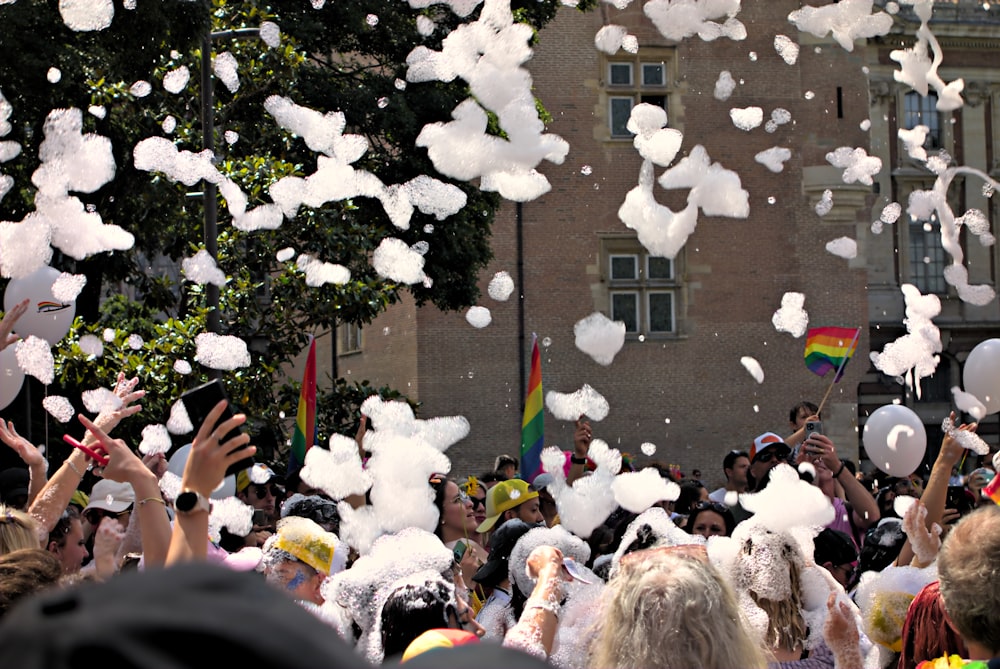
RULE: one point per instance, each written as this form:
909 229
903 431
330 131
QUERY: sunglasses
476 502
94 516
262 490
710 506
767 456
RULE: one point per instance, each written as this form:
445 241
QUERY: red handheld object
98 458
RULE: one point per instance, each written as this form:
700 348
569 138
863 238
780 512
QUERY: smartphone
460 549
958 499
200 401
812 427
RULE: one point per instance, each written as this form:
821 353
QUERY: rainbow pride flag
992 489
830 348
533 424
305 421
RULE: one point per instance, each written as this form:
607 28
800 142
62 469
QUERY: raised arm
535 632
8 322
865 507
203 472
582 437
30 455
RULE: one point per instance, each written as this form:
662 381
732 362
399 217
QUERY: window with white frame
922 110
642 291
350 338
628 82
927 256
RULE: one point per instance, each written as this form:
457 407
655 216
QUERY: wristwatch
191 501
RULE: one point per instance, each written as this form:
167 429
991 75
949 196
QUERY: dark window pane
625 308
661 312
922 110
624 267
927 258
653 74
621 109
661 268
620 74
655 100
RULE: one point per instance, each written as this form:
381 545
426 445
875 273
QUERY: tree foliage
344 56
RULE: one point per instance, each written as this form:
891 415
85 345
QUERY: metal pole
520 302
209 200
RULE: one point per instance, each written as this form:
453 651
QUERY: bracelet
543 604
577 461
841 470
73 467
158 500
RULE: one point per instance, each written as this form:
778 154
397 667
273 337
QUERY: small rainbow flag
992 489
533 425
830 348
305 421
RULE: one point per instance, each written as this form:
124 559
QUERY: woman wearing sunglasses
710 519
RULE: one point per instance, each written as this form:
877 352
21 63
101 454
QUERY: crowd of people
797 561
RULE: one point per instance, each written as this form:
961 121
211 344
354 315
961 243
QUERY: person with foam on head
301 556
259 487
511 499
767 452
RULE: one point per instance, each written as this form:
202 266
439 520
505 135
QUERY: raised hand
924 543
24 448
9 320
207 463
108 419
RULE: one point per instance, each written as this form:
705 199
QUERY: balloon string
45 414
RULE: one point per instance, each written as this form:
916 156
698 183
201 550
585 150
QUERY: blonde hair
17 530
672 611
786 628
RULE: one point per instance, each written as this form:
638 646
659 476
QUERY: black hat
13 484
171 618
835 547
501 544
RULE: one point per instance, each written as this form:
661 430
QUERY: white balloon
11 377
895 439
47 317
982 374
175 465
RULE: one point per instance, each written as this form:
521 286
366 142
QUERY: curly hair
967 567
673 611
17 530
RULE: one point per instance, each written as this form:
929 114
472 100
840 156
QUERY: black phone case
199 402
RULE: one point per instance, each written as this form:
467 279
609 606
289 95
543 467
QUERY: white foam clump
919 63
976 221
231 137
201 268
59 408
609 38
584 402
24 247
715 191
179 422
140 89
168 125
770 506
648 448
135 342
891 212
224 352
397 417
182 367
825 204
791 317
637 491
678 20
161 155
225 67
968 403
97 111
590 500
91 345
856 163
270 34
432 196
786 48
914 353
724 86
746 118
965 438
232 514
501 286
67 286
865 125
488 54
87 15
913 141
176 80
845 247
34 357
393 259
478 317
653 140
337 471
319 273
100 399
599 337
848 21
54 75
285 254
155 439
774 158
751 365
425 26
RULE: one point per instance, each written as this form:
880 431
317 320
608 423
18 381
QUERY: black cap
501 544
835 547
13 484
172 618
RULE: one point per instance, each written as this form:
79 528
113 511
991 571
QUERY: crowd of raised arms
114 559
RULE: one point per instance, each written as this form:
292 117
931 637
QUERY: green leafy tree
346 56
